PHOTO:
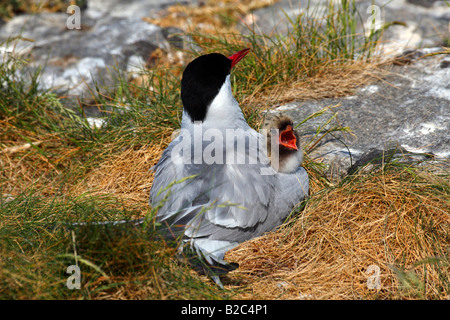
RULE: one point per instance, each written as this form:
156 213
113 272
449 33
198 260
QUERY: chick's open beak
288 139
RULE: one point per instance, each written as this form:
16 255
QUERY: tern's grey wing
217 199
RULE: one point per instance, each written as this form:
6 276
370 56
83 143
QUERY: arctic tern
214 184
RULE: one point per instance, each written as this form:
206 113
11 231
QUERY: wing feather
226 195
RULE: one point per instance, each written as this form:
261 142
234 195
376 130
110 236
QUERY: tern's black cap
201 82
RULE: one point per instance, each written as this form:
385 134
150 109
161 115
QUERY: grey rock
274 20
423 3
426 25
113 38
136 9
409 111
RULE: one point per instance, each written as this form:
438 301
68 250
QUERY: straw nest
381 235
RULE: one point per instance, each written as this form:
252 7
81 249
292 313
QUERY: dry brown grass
125 175
390 220
211 17
21 165
11 8
329 82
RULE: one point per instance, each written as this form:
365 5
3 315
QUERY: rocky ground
408 109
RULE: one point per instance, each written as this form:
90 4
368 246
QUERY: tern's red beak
235 58
288 139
